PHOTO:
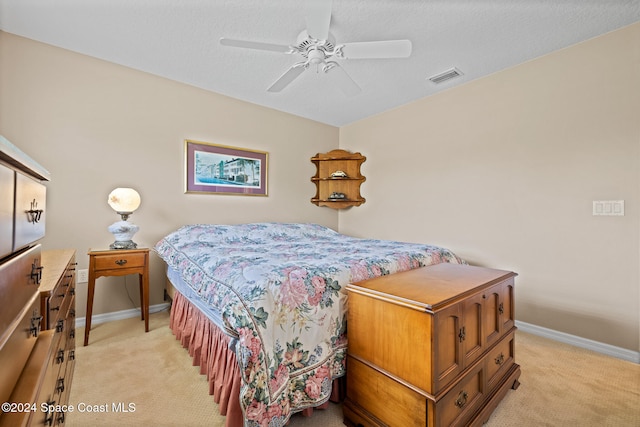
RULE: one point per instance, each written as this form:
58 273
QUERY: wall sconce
124 201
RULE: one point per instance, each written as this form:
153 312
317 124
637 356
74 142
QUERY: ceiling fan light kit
318 48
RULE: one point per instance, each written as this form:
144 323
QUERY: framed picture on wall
220 169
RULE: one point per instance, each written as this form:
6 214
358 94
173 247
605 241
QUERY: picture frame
221 169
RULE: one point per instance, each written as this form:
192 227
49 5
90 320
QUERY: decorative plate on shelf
337 196
339 174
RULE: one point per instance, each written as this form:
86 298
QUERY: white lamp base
123 232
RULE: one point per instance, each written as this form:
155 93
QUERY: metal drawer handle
121 262
36 273
500 359
34 330
462 399
48 416
34 214
501 308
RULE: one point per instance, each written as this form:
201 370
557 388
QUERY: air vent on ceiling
447 75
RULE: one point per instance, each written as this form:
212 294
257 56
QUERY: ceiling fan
318 48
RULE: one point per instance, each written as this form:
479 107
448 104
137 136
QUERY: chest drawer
461 402
500 359
119 261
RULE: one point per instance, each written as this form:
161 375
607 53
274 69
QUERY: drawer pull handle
501 308
60 325
121 262
72 355
60 386
462 399
500 359
60 357
48 416
34 330
36 273
34 214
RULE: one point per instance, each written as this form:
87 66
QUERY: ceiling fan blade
318 18
290 75
256 45
379 49
340 78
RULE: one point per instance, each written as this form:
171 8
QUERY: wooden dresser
58 308
42 389
431 347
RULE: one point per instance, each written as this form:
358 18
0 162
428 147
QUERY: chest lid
430 288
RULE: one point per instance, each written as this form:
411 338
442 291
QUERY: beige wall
96 126
504 170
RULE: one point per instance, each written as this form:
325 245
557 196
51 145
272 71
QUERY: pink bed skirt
209 348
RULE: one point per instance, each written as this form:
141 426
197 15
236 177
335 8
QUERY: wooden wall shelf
347 184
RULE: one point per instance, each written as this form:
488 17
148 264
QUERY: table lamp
124 201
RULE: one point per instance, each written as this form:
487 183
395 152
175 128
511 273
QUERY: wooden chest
430 347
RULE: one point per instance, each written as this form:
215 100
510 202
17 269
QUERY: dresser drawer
19 278
30 216
35 386
120 261
17 345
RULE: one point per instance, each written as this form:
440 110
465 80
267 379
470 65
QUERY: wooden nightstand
118 262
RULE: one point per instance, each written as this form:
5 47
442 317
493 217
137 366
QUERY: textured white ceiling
178 39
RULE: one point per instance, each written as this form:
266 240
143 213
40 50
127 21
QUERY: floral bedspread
279 289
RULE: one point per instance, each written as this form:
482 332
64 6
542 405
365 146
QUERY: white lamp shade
124 200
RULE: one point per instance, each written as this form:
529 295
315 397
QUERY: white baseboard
609 350
96 319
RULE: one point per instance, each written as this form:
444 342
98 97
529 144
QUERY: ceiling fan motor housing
309 47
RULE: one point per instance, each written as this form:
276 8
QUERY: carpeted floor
130 378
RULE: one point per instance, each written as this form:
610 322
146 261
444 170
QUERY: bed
261 308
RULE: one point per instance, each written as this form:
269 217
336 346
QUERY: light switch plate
608 207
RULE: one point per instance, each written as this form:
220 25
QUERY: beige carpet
561 385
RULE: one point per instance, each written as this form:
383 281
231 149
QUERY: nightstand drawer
120 261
